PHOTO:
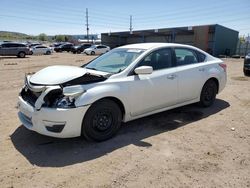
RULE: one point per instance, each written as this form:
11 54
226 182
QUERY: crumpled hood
55 75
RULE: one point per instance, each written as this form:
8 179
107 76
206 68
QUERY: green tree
60 38
42 37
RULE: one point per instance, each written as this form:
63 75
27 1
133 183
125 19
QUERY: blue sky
68 17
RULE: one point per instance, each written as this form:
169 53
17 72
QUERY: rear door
68 47
191 74
43 49
21 48
101 49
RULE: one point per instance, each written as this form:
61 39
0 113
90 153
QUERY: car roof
13 43
40 46
147 46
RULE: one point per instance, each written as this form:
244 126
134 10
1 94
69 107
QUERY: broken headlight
69 95
65 102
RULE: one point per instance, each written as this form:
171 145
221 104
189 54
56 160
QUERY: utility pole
131 28
87 23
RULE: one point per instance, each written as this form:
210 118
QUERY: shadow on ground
51 152
12 57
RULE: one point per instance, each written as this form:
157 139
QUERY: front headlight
69 95
73 91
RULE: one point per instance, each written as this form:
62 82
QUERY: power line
190 14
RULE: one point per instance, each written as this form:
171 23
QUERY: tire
246 72
31 53
208 93
102 120
21 54
48 53
78 51
92 53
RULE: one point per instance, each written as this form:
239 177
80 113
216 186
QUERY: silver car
14 49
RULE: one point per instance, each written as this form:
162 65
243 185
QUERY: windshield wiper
91 68
120 70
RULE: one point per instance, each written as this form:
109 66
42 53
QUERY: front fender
102 91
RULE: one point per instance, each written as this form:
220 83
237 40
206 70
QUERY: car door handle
171 77
202 69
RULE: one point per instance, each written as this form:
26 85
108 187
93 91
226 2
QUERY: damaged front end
62 95
47 102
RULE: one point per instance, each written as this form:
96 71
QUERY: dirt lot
185 147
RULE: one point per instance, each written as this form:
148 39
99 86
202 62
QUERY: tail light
224 66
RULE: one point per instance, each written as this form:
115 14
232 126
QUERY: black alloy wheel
102 120
208 93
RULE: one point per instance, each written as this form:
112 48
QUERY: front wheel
208 93
92 53
48 53
102 120
21 54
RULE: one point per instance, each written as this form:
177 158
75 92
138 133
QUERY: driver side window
159 59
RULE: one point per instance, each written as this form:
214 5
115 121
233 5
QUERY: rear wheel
102 120
21 54
208 93
246 72
78 51
48 53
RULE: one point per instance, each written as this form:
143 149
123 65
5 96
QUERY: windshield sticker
134 50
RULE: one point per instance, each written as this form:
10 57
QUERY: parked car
96 50
64 47
40 49
14 49
127 83
31 45
79 49
246 68
56 44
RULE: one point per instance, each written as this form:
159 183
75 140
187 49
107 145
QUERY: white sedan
96 50
127 83
40 49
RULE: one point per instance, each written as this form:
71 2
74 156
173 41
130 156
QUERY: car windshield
92 47
115 61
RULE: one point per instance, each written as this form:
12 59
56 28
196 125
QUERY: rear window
21 45
185 56
13 45
86 45
201 56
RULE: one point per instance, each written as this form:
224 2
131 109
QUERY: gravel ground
185 147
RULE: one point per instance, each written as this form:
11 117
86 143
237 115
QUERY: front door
154 91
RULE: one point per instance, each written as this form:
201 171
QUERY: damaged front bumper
55 122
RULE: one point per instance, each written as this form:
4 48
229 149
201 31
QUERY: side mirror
144 70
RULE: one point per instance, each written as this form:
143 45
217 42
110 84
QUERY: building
214 39
85 37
